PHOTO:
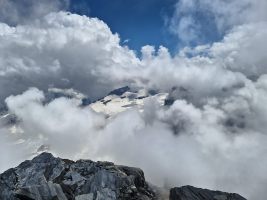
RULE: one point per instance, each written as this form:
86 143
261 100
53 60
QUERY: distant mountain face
115 102
122 99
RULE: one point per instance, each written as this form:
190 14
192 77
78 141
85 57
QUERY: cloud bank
214 135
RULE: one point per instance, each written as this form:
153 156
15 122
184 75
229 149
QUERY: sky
141 23
138 22
208 55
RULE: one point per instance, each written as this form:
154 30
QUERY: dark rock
192 193
153 92
177 93
86 101
168 102
142 97
119 91
46 178
9 119
105 102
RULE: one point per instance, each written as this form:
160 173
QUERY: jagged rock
47 178
193 193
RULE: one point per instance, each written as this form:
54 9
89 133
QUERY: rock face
49 178
192 193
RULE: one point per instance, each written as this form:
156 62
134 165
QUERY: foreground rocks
192 193
49 178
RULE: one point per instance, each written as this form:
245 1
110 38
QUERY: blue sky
139 21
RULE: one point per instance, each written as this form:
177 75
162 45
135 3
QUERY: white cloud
61 50
195 20
61 124
243 49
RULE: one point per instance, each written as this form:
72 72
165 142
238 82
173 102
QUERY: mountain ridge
46 177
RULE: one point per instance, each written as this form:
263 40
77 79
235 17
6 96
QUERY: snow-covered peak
123 99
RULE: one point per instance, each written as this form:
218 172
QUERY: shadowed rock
192 193
119 91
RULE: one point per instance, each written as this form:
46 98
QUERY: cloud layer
214 135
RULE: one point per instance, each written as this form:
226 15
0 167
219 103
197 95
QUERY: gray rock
48 178
45 191
193 193
85 197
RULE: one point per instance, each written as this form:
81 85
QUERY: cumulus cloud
243 49
212 136
61 50
198 20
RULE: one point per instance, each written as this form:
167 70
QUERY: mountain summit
48 178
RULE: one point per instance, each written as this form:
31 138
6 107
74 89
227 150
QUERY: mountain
48 178
125 98
115 102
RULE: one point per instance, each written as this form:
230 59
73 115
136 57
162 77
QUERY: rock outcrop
193 193
49 178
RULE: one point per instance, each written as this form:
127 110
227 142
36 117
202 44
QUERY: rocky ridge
48 178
